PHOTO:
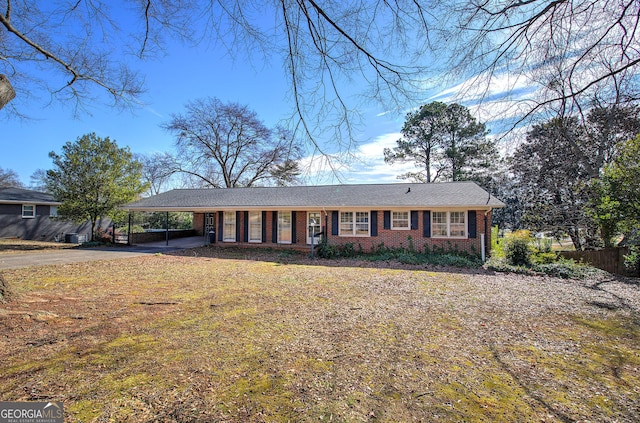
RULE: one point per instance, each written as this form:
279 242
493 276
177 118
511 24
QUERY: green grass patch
258 340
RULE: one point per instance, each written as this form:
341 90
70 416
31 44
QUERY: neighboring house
446 216
33 215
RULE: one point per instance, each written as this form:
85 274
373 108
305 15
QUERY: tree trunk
5 290
574 233
427 166
7 93
93 228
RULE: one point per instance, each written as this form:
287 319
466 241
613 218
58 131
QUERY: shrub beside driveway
231 336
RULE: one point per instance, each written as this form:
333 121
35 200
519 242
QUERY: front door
209 221
314 226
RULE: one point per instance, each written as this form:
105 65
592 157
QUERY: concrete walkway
27 259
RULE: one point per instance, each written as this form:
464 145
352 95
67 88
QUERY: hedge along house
446 216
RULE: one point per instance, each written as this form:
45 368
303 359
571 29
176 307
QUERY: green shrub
632 260
544 258
517 255
566 269
543 245
327 251
347 250
561 268
135 229
455 260
517 250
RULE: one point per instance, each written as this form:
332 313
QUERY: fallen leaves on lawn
243 336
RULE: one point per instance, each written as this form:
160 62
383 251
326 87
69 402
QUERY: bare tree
589 49
9 178
555 168
226 145
38 180
157 170
572 51
69 48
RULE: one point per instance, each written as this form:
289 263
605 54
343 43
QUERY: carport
166 236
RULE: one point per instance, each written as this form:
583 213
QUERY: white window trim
31 216
259 214
401 228
225 222
53 211
280 226
353 224
318 238
448 236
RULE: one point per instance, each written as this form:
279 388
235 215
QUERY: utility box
74 238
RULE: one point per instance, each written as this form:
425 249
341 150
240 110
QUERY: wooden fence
609 259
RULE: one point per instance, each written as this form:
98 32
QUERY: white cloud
498 103
365 165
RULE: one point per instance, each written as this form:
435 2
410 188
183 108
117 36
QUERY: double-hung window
284 227
28 211
255 226
346 223
229 226
457 224
400 220
354 223
449 224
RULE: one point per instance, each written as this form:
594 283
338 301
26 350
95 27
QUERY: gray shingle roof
18 195
448 194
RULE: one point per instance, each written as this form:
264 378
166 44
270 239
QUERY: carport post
167 226
129 229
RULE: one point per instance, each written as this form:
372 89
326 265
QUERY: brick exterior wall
387 237
401 238
198 223
142 237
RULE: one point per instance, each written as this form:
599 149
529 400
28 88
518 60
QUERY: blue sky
186 73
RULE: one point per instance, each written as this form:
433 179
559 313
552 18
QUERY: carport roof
401 195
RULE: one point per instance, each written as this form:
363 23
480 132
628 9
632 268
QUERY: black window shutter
334 222
220 226
472 223
374 223
238 220
274 227
387 219
414 219
293 227
245 237
426 223
264 226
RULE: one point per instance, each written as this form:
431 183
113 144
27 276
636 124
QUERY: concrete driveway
27 259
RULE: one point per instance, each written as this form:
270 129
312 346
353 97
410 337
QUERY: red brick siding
386 237
400 238
198 223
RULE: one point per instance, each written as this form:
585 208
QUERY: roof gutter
38 203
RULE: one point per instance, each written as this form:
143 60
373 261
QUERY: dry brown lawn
16 245
239 336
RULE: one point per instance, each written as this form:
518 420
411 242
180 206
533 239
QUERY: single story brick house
33 215
449 216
